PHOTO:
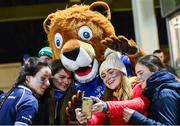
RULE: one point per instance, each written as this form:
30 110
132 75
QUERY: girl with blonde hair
117 95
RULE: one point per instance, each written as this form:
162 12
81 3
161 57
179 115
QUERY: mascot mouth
83 71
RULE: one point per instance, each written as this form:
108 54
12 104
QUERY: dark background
20 37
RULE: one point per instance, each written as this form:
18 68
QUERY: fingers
68 111
122 39
79 94
113 43
121 44
77 111
74 100
127 113
100 106
81 117
109 41
95 99
96 108
108 44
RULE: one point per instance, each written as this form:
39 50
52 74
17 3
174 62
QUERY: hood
160 80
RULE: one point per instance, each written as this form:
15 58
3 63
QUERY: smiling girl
117 95
19 106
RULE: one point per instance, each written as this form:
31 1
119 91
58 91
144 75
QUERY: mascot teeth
83 71
88 74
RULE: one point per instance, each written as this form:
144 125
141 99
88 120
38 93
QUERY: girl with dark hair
162 89
61 92
19 106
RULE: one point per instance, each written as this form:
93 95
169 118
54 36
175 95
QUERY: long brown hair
64 103
56 67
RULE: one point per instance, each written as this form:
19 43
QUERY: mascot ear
47 22
102 8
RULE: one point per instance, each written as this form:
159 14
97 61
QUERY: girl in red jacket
117 95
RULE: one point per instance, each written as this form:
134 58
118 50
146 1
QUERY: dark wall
18 38
162 29
123 23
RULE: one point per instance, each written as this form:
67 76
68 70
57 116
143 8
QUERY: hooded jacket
163 90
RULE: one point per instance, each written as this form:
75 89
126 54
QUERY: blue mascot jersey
19 108
93 88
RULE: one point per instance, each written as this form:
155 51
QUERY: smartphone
86 103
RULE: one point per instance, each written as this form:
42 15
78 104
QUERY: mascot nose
72 54
71 49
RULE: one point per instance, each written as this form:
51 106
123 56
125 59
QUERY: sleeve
116 108
26 111
97 119
139 119
167 113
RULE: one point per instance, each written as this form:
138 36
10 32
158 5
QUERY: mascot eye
58 40
85 33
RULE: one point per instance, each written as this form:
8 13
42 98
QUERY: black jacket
42 117
163 90
1 92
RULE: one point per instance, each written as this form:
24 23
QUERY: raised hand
121 44
99 106
76 99
81 117
127 113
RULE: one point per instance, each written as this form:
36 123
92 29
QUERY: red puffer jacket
114 116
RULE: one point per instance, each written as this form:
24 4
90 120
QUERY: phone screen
86 103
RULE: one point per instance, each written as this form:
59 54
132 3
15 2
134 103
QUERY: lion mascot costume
79 36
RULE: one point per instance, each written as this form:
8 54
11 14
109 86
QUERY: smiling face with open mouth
112 78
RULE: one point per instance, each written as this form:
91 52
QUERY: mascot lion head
76 36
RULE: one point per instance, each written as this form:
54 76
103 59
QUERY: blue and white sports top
19 108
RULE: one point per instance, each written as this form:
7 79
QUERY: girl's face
62 79
112 78
143 73
40 81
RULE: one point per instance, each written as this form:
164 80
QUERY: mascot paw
121 44
75 102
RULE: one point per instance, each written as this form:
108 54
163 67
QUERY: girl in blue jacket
19 106
162 89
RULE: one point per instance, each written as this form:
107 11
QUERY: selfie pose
61 92
162 89
117 95
19 106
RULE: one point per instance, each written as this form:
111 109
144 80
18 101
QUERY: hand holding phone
86 104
